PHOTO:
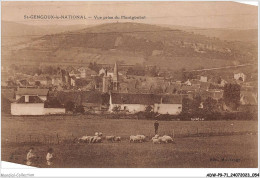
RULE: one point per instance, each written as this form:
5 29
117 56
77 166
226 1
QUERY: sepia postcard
120 84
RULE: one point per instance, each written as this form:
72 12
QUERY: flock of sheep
97 138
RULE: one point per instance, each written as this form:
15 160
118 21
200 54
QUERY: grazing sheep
90 139
166 139
156 140
155 137
141 137
82 139
131 139
117 139
99 134
85 139
135 139
162 140
96 139
110 138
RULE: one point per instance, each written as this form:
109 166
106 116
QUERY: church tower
115 80
106 81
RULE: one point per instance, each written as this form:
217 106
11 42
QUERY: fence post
73 138
173 134
58 141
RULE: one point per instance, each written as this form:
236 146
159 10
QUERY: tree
153 72
186 103
81 82
80 109
231 95
174 91
196 103
52 102
70 106
105 98
38 83
90 65
138 70
94 66
210 105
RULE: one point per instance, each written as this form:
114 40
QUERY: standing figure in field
49 157
156 126
31 157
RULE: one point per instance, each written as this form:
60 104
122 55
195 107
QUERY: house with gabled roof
133 102
75 73
168 104
240 76
86 72
31 101
41 93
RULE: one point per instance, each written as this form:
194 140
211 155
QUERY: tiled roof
78 97
32 91
127 98
215 94
32 99
145 99
171 99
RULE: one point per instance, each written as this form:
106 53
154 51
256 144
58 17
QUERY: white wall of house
56 81
72 82
240 75
172 109
203 78
83 74
132 108
43 82
54 111
44 98
18 109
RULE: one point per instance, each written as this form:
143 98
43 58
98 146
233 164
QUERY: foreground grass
237 151
194 152
66 126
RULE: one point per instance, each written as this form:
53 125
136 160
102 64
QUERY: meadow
197 143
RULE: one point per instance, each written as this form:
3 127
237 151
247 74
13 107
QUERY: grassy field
224 143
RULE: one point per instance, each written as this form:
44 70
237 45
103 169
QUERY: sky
196 14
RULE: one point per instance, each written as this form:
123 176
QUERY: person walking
49 157
156 126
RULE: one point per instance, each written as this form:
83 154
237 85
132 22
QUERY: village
136 84
129 89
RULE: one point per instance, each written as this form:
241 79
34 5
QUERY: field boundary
32 139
